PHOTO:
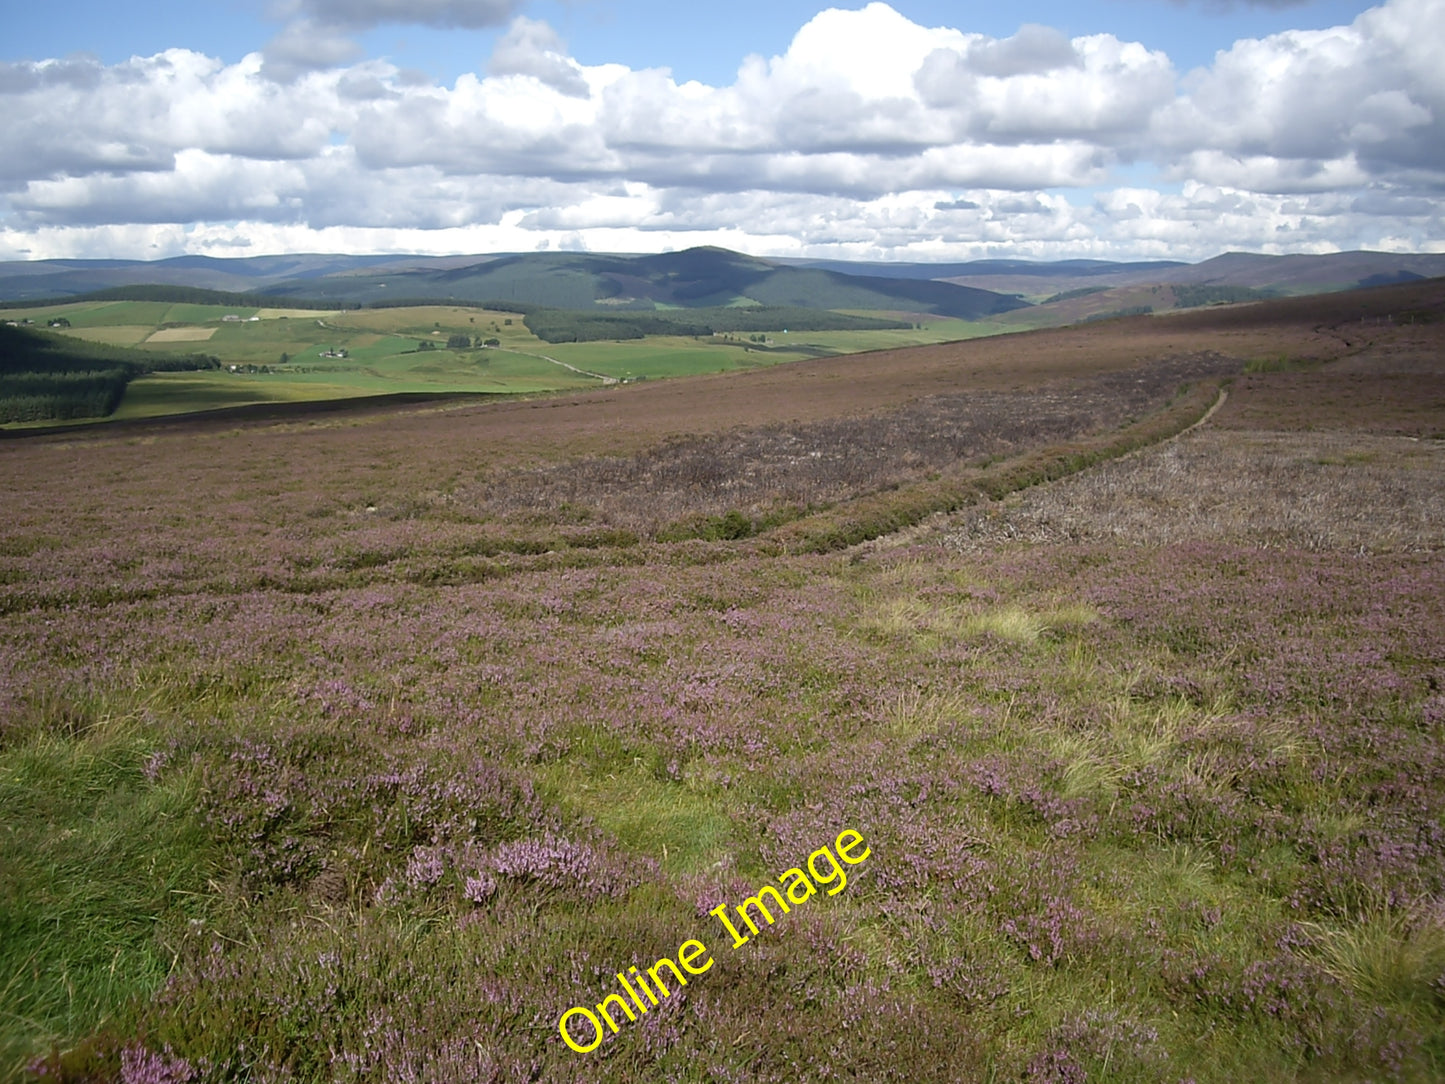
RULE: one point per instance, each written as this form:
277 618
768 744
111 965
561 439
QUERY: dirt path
580 372
1223 395
1218 402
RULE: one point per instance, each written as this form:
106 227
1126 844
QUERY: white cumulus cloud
531 47
870 135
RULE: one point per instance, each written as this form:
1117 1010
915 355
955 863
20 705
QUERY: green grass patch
100 861
183 313
114 313
662 356
929 330
684 825
113 335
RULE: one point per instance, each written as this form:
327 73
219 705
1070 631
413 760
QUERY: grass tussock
1387 955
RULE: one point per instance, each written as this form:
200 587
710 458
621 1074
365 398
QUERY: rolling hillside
696 278
717 278
1281 274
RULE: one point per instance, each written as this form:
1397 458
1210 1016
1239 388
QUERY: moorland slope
370 746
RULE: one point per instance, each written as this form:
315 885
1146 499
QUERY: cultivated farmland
277 355
365 744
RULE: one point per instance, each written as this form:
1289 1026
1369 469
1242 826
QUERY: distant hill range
696 278
712 277
1277 274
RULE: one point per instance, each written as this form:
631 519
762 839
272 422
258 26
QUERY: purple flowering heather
141 1066
557 862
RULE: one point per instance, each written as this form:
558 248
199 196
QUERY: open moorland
371 744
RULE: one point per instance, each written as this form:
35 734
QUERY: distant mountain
1280 274
1310 274
23 280
710 277
1105 302
695 278
1030 269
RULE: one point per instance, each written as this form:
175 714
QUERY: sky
914 130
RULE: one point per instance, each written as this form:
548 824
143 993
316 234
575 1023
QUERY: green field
932 329
288 355
114 335
661 356
179 393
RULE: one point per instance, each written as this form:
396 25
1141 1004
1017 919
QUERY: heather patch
290 810
737 484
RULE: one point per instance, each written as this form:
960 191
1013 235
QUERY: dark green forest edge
45 377
185 295
567 326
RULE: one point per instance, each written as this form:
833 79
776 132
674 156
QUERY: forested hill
696 278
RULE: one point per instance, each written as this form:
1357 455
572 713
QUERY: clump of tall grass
1388 954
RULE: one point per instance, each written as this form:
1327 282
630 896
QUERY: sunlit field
313 355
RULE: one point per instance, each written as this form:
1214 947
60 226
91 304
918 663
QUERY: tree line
569 325
187 295
45 377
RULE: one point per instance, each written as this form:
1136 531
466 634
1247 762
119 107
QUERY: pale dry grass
916 714
1310 490
182 335
907 616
